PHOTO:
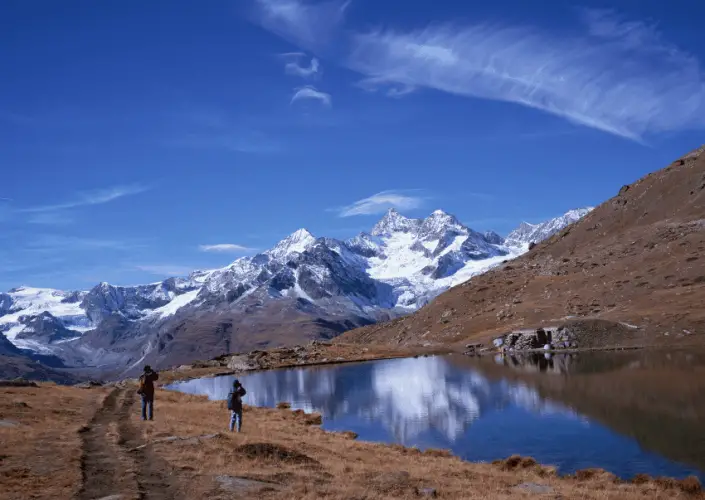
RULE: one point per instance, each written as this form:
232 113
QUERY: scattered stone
427 492
9 423
498 342
283 405
244 485
540 489
89 384
18 382
112 497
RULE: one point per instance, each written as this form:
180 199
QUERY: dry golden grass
297 459
286 451
41 456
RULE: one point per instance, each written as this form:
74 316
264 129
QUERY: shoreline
280 454
185 374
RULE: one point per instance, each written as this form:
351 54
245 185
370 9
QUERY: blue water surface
436 402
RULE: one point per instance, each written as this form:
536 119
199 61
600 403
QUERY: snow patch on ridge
177 303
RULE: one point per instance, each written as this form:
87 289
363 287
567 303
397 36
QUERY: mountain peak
528 233
394 222
439 223
299 241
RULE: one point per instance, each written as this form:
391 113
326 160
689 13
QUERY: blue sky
144 139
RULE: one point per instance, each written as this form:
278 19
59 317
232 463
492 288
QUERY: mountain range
301 289
630 272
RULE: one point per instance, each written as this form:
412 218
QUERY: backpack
235 398
141 387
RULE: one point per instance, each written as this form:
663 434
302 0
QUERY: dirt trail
110 463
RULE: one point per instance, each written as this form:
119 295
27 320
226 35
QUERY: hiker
146 391
235 405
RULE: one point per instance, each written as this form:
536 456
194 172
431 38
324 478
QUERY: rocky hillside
637 259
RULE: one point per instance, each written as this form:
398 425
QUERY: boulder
241 362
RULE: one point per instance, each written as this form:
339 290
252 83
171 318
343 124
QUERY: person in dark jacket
235 405
146 391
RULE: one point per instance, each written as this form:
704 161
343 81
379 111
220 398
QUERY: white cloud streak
309 92
294 67
607 82
308 25
224 248
380 203
619 76
96 197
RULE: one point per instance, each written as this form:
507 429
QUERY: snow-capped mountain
305 286
527 233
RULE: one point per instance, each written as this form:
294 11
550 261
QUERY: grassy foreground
68 442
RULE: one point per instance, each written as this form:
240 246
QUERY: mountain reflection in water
482 409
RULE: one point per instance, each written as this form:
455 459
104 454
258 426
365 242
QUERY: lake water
632 412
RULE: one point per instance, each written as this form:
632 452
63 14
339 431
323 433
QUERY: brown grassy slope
638 257
40 447
296 459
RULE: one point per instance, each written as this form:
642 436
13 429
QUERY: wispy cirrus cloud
306 24
381 202
294 67
225 248
309 92
605 82
618 76
86 198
